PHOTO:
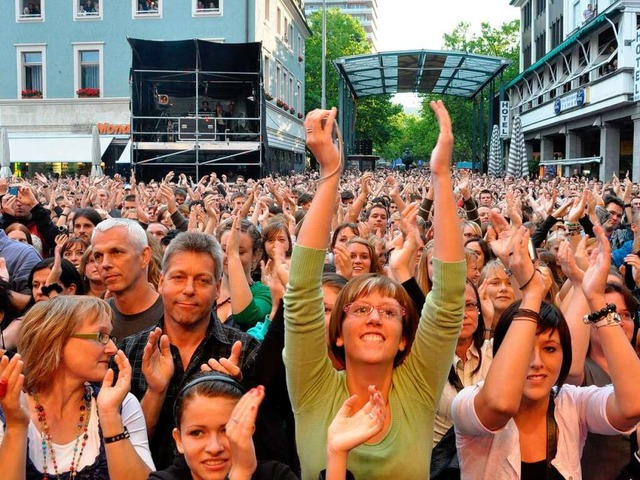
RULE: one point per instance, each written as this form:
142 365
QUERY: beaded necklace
47 443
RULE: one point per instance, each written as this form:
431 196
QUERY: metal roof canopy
420 71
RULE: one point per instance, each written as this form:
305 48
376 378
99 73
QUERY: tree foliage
345 36
501 41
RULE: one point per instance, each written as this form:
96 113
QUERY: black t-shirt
125 325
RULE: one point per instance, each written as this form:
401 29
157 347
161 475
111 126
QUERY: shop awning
65 148
125 157
571 161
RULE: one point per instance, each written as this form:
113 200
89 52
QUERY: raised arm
623 408
315 230
499 398
447 241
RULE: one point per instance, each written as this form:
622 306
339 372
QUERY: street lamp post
323 97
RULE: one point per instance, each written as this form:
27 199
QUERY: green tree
501 41
345 36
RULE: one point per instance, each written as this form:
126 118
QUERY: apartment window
266 75
290 39
526 15
526 55
88 70
278 82
299 97
540 7
147 8
300 49
540 46
278 21
292 99
284 95
87 10
556 32
267 10
30 10
206 7
31 71
286 30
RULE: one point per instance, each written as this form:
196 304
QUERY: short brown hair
361 286
45 330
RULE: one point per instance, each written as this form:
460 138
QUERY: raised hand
440 162
12 398
352 428
112 394
229 366
595 278
157 362
567 262
318 126
240 429
342 260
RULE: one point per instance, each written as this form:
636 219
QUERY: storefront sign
636 72
504 119
573 100
114 129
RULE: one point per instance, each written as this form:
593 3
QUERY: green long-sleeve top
258 308
317 391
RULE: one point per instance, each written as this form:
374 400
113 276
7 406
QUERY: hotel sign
504 119
636 71
573 100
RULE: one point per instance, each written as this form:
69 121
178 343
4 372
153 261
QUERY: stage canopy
419 71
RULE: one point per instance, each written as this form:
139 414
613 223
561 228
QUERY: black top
265 471
533 470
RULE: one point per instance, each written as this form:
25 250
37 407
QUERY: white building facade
575 92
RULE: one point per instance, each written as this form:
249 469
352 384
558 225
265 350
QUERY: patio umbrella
5 158
518 163
96 156
495 160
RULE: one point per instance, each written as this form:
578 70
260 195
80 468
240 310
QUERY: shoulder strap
552 437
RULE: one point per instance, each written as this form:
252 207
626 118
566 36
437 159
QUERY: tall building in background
364 11
66 67
576 92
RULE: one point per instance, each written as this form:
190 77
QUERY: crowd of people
434 323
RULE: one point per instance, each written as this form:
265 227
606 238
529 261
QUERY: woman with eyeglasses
603 456
375 329
62 425
471 361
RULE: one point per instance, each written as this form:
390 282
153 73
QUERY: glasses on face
387 312
627 316
471 307
100 337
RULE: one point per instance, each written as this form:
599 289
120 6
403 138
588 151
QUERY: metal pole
323 98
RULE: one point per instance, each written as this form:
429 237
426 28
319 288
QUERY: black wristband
595 316
116 438
54 287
